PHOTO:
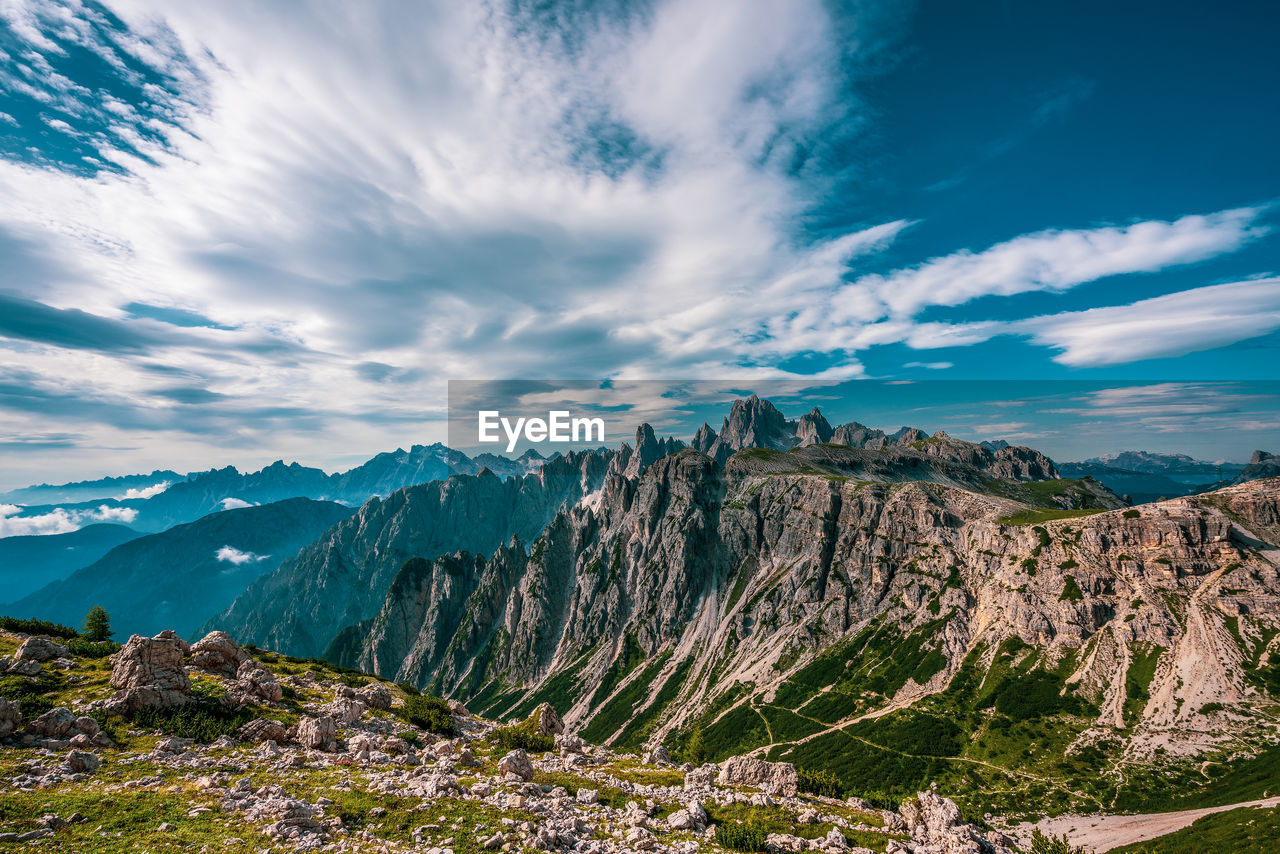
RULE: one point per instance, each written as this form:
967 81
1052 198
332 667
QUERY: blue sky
241 231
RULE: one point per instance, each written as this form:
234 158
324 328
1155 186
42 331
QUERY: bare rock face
258 682
701 778
516 764
777 777
814 429
753 423
1261 465
24 667
39 649
216 652
375 696
82 762
547 721
934 821
63 723
263 729
659 756
148 672
316 733
10 717
345 710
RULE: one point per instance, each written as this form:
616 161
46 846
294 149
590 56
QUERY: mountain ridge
179 577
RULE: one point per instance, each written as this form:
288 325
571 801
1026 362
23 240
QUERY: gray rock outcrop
263 729
217 653
777 777
148 672
316 733
255 682
39 649
10 717
516 765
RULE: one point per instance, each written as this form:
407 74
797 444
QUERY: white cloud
229 554
442 190
235 503
1001 427
144 492
932 366
59 520
1057 260
876 309
1174 407
1170 325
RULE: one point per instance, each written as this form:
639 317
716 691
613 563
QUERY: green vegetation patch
561 690
643 724
1242 780
1033 695
524 736
630 657
204 720
1036 516
918 734
33 693
1071 591
429 713
125 822
1137 681
1240 831
618 711
875 664
741 729
786 725
37 627
751 824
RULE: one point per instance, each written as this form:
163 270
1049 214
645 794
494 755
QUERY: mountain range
906 607
117 488
914 608
1145 477
1179 467
29 562
177 578
185 498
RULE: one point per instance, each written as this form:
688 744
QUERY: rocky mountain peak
753 423
813 428
704 438
1261 465
647 451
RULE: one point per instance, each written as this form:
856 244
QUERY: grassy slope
1242 831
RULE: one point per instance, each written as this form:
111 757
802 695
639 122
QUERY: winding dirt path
1101 833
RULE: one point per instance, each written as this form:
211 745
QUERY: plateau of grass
1037 515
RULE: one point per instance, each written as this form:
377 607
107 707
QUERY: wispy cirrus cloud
1060 259
1161 327
1172 407
1169 325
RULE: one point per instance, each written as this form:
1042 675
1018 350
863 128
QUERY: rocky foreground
312 758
